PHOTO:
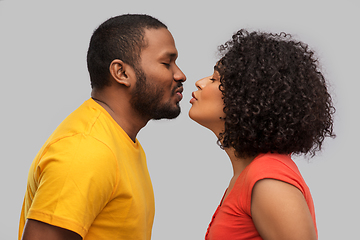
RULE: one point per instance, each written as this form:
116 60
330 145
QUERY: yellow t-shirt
91 178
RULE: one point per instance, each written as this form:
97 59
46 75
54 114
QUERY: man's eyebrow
171 54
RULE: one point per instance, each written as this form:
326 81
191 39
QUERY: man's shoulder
80 121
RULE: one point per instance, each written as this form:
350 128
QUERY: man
90 179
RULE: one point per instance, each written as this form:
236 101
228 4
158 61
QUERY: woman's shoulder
273 166
272 162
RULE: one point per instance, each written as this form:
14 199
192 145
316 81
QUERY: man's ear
121 72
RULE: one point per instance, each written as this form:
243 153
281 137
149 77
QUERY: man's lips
178 92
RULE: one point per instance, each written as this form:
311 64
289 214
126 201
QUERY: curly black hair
276 99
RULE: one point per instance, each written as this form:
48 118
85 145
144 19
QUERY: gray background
44 78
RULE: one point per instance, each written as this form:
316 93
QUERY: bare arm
39 230
279 211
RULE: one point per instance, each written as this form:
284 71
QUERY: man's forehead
161 41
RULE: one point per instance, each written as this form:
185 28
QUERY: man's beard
146 99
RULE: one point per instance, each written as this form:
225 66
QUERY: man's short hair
120 37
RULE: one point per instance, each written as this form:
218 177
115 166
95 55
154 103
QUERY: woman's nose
200 84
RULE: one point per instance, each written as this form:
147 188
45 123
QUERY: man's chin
166 113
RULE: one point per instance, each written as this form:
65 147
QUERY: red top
232 219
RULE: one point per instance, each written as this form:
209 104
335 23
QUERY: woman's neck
238 164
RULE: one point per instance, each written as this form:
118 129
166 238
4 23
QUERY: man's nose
179 75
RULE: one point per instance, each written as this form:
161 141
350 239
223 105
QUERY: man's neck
121 111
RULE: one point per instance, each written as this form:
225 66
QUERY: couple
265 100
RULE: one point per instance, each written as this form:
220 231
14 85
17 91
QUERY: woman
265 101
